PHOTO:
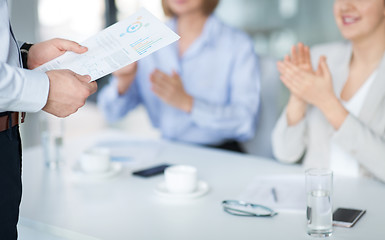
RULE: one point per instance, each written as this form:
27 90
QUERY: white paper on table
116 46
290 192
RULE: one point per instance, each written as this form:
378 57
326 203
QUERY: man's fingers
83 78
67 45
92 86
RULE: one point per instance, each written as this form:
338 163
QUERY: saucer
202 189
113 170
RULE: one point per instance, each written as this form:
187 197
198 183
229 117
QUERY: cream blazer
363 136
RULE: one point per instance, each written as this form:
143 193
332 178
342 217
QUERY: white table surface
126 207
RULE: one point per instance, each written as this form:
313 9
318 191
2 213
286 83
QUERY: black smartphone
347 217
152 171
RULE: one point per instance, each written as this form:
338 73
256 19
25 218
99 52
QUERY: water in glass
319 213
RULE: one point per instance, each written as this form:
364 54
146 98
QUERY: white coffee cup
95 160
181 179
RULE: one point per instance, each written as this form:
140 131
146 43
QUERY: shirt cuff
203 114
35 91
198 112
112 91
126 98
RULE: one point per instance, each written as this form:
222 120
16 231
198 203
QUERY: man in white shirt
58 92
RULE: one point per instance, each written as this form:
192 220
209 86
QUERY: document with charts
116 46
288 194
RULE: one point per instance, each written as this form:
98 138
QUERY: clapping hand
310 87
170 90
313 87
300 56
305 85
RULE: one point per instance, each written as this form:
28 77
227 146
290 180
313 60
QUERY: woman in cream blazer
335 117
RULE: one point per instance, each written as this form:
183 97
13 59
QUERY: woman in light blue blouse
203 89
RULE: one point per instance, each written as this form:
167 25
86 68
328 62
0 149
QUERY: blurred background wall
274 25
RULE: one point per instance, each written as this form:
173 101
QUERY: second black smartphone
152 171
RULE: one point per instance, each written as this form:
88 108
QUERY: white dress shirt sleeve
21 89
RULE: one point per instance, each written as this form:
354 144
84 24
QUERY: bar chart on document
116 46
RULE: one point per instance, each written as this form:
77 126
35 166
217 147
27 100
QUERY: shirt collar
209 30
207 36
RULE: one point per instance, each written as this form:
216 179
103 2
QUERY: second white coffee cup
95 160
181 179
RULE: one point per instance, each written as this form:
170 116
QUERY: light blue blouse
220 70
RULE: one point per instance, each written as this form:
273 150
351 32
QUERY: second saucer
201 189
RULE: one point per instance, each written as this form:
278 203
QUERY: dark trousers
230 146
10 182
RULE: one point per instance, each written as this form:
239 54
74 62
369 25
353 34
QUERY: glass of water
319 189
52 132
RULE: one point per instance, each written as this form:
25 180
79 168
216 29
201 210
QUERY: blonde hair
208 7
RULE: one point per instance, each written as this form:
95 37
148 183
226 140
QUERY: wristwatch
24 53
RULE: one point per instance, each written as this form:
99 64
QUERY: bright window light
71 19
128 7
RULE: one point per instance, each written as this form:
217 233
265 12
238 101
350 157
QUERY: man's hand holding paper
116 46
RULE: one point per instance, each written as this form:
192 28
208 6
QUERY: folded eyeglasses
245 209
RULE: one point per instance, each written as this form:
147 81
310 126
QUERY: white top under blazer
341 162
